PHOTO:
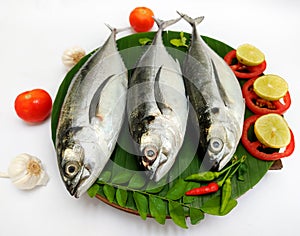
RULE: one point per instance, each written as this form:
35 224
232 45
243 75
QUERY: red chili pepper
261 106
210 188
258 150
242 71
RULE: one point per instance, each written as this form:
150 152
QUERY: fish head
150 148
159 148
80 165
221 147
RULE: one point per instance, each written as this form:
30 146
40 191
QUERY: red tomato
141 19
33 106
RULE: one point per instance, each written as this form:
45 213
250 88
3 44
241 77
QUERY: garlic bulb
26 172
72 56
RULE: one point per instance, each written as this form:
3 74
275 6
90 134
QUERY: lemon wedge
270 87
249 55
272 130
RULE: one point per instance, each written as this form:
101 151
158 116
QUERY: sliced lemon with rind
270 87
249 55
272 130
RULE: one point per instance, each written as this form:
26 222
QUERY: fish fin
178 65
221 89
95 99
193 22
160 101
164 24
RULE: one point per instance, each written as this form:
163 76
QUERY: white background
33 35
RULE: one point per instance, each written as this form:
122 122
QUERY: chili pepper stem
228 174
229 167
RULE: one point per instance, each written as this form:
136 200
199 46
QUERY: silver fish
91 117
216 96
157 107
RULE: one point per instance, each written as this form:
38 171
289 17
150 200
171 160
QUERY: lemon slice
270 87
272 130
249 55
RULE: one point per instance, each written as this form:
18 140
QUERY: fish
215 95
91 117
157 107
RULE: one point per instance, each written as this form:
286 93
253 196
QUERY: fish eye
150 153
71 169
215 145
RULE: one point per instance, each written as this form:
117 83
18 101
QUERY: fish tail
117 30
193 22
164 24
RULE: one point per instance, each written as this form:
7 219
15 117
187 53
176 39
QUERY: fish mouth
75 187
153 166
214 154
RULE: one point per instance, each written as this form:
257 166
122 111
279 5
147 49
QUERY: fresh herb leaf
196 215
109 192
179 42
121 196
137 181
93 190
177 190
156 187
177 214
104 177
145 41
122 177
141 203
158 208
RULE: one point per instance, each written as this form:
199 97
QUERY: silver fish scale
157 107
83 142
216 97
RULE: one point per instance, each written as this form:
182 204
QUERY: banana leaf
122 186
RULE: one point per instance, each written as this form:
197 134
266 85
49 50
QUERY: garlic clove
44 178
72 56
26 172
26 182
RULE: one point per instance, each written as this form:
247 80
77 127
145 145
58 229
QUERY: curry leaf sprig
158 202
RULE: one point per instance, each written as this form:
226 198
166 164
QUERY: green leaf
93 190
158 209
104 177
212 206
145 41
177 190
156 187
196 215
137 181
141 203
109 192
122 177
179 42
177 214
121 196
